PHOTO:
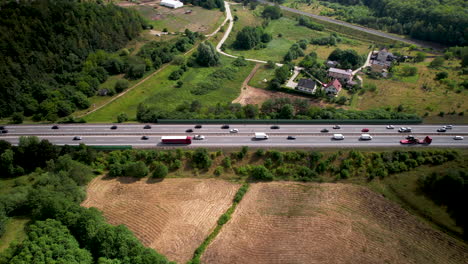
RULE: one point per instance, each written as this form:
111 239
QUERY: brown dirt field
173 216
327 223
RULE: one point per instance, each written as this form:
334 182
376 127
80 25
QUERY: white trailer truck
261 136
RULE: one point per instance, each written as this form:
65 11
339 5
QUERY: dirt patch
173 216
252 95
327 223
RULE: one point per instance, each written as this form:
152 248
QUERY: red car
365 130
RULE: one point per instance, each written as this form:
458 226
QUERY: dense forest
50 194
443 22
43 48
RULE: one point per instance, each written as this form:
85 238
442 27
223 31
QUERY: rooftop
307 83
336 70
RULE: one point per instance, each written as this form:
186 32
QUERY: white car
390 127
234 130
338 137
365 137
404 129
199 137
458 137
448 127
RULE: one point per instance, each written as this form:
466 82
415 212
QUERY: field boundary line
223 219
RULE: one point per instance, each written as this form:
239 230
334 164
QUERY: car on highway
365 137
365 130
409 137
55 127
4 131
234 130
442 129
225 126
77 138
199 137
198 126
291 137
336 127
338 137
144 138
448 126
324 130
458 137
404 129
2 128
114 127
390 127
189 130
275 127
147 127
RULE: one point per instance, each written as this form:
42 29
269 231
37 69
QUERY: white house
171 3
306 85
332 88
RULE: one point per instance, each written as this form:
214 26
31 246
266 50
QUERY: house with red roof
332 88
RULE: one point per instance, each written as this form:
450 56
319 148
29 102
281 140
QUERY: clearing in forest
172 216
327 223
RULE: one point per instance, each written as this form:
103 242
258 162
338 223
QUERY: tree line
44 45
279 108
61 231
442 22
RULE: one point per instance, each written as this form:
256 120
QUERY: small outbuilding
172 3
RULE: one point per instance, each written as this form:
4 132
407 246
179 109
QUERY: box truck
261 136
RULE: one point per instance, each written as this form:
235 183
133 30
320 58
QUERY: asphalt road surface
306 135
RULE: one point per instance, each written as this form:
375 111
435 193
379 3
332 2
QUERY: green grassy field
262 73
161 92
14 231
175 20
410 92
403 189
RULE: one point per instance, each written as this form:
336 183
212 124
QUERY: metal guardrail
289 121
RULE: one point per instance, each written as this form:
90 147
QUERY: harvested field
327 223
173 216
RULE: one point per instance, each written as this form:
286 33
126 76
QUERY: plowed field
327 223
173 216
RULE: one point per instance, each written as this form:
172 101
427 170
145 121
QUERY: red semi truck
412 140
176 140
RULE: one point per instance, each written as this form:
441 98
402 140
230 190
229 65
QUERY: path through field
173 216
282 222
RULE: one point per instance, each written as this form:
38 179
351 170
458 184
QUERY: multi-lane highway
215 136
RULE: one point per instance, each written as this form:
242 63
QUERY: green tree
437 62
287 112
201 159
136 169
122 117
261 173
420 57
17 118
121 85
272 12
160 170
207 55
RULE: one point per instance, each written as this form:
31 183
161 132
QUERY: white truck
261 136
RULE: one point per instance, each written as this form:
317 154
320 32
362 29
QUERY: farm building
346 75
172 3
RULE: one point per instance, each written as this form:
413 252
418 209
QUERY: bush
160 170
121 85
136 169
227 162
218 171
272 12
223 219
261 173
441 75
122 117
241 192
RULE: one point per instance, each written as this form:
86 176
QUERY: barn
171 3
